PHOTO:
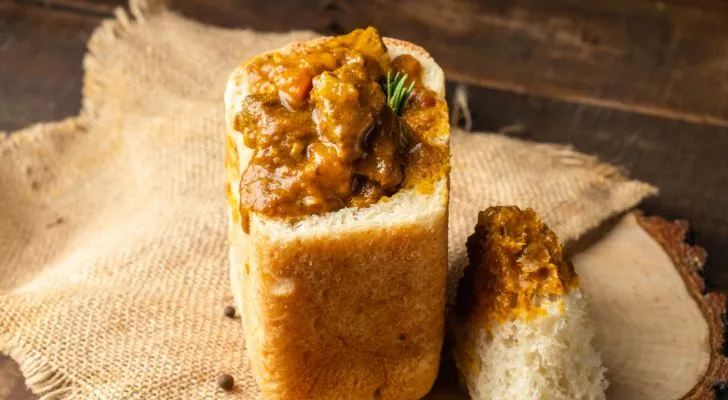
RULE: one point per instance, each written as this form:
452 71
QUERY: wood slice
661 336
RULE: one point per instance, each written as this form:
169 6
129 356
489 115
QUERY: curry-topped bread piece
521 264
522 328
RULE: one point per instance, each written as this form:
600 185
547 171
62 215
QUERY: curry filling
516 262
322 132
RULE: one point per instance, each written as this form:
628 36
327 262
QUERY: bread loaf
521 326
346 304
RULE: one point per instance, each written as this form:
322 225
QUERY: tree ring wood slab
689 261
660 334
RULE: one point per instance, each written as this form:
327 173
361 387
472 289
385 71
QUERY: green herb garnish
397 92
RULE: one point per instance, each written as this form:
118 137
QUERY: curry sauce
322 134
515 262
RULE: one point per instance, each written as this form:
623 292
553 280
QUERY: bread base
358 316
348 304
548 357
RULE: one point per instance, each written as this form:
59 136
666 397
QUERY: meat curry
323 135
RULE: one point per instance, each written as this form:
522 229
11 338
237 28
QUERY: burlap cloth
113 250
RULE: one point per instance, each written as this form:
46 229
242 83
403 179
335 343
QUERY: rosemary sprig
397 92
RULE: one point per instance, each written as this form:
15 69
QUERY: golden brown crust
409 47
356 315
688 261
347 318
298 46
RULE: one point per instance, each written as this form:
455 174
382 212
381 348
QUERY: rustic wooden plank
40 73
659 58
663 58
687 161
92 7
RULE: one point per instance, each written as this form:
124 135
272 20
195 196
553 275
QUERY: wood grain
663 58
658 58
102 8
689 261
659 336
686 161
40 73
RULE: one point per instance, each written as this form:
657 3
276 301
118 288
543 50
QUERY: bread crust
355 314
344 318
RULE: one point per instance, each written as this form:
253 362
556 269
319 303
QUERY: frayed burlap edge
41 376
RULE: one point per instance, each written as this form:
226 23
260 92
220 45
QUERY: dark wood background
642 84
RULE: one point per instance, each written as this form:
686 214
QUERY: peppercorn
226 382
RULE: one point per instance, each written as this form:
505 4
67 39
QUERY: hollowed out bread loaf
348 304
521 326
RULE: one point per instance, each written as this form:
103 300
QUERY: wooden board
686 161
660 336
40 73
662 58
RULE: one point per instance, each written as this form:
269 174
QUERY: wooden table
641 84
